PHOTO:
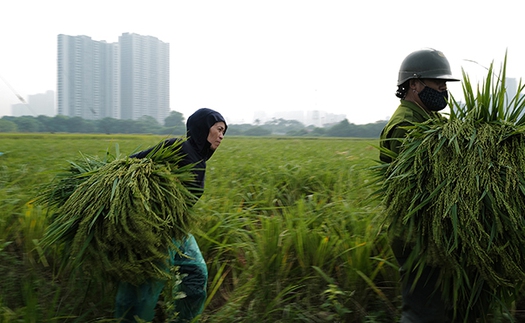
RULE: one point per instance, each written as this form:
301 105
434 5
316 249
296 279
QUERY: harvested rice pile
119 218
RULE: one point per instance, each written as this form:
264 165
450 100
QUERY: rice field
286 226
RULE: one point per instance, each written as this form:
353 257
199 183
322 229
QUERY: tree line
174 125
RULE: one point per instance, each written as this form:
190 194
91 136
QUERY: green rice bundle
121 218
55 194
456 195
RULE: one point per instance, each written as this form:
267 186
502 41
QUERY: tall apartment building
124 80
87 78
144 77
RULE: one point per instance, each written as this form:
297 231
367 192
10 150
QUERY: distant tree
147 124
7 126
59 123
79 125
297 133
343 129
172 131
173 125
238 129
175 119
233 130
27 124
127 126
372 130
346 129
107 125
318 131
282 126
257 131
45 123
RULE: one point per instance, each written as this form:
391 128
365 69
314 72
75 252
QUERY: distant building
42 103
297 115
37 104
21 109
85 78
312 117
144 77
320 118
124 80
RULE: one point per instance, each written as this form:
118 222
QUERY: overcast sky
243 56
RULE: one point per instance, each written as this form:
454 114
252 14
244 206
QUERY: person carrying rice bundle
453 193
205 131
127 221
423 92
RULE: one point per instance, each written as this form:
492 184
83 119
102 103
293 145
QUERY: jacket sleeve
392 140
399 133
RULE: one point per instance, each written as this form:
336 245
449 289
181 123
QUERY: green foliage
7 126
283 126
175 119
61 123
284 225
257 131
290 206
490 102
174 126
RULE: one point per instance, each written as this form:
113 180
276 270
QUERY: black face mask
433 99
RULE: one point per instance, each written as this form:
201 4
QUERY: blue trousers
140 301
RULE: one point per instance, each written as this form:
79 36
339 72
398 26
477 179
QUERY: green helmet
425 64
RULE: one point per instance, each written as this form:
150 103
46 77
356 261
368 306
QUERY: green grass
286 228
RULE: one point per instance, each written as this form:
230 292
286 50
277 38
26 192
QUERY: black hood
198 127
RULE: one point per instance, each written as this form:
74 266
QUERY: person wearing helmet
422 89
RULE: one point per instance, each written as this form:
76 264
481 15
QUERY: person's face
216 134
436 84
417 85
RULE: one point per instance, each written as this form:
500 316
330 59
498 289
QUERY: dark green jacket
393 134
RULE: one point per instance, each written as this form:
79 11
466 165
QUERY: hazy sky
243 56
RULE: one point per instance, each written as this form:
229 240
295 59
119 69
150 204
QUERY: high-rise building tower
87 78
124 80
144 77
